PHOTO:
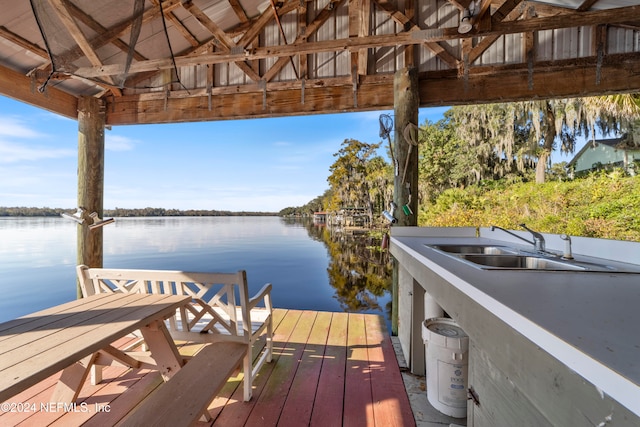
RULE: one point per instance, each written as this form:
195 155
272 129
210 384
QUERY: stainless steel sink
520 262
475 249
498 257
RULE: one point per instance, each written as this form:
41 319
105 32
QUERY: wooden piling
91 124
405 185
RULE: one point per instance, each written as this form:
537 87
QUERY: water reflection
311 267
359 270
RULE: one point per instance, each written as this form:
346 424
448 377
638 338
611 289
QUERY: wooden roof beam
559 79
223 40
359 26
609 16
23 43
111 35
239 11
586 5
435 47
310 29
258 25
509 11
570 20
61 9
282 34
177 24
22 88
99 29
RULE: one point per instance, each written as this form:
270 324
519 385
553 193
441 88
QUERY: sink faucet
538 240
493 228
567 246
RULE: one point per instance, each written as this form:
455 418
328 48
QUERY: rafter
224 41
61 9
23 43
365 87
586 5
258 25
407 38
310 29
359 26
282 33
111 35
435 47
485 84
509 11
177 24
99 29
239 11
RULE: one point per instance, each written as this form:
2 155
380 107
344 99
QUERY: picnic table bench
183 399
220 308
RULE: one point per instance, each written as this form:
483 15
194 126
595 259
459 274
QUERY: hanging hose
410 134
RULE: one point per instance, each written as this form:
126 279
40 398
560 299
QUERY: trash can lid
444 332
447 329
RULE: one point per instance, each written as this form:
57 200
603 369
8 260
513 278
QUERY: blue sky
247 165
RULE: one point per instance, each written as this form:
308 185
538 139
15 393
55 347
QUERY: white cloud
15 128
118 143
282 144
12 153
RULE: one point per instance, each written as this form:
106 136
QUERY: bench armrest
263 294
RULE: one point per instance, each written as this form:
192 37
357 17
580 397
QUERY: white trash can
447 349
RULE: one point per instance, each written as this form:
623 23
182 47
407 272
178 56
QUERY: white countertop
587 320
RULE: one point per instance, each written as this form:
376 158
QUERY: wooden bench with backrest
183 399
220 311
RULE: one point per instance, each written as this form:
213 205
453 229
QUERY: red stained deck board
327 409
391 407
237 413
299 403
271 401
329 369
358 409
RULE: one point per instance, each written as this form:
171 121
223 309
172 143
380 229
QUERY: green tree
349 178
379 176
523 134
498 137
444 160
616 114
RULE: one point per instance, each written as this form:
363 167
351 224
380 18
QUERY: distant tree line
122 212
24 211
306 210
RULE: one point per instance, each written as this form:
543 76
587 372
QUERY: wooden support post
91 123
405 186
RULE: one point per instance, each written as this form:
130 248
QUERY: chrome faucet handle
494 227
567 247
538 239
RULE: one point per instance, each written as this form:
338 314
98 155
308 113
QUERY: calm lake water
309 266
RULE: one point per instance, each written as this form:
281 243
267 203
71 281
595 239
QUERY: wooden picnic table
72 336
